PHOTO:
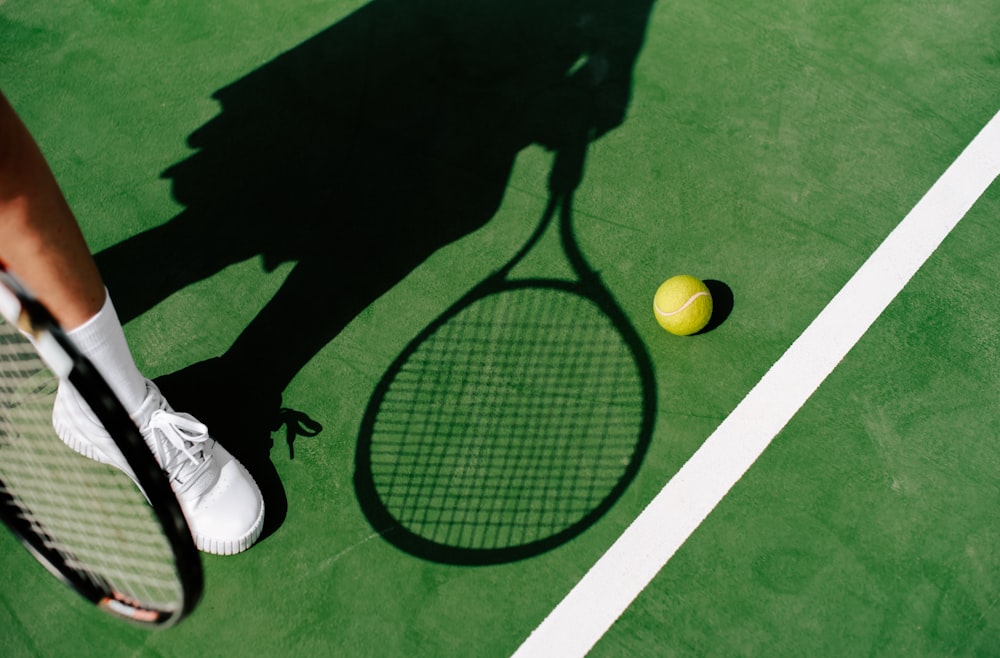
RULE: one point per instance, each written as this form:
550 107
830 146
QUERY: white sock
102 340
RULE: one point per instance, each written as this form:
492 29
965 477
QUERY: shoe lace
181 452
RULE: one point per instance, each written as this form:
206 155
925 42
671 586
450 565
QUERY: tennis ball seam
691 300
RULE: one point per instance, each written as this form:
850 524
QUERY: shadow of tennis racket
517 418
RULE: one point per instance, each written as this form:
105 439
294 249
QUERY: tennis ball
683 305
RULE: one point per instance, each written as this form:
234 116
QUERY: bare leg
40 240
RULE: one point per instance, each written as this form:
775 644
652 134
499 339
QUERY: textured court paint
611 585
739 159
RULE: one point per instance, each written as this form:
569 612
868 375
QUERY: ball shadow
722 304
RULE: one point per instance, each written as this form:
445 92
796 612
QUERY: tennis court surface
283 195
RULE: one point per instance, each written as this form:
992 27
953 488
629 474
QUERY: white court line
602 595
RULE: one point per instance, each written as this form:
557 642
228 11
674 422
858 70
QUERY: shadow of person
356 155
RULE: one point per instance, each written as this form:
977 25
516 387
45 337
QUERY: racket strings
510 423
90 515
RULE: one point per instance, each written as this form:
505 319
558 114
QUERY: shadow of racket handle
567 167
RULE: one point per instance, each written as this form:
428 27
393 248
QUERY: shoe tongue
177 437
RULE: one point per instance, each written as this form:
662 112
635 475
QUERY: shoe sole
83 447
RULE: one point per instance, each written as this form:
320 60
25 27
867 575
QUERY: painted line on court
579 621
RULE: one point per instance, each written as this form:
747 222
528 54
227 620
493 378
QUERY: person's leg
40 240
41 243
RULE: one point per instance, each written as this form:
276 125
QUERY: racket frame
64 360
588 285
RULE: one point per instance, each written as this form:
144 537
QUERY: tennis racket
515 419
86 522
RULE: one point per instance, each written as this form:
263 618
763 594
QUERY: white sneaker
220 500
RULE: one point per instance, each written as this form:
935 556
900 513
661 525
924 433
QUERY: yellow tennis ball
683 305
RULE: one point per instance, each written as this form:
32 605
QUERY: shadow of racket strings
516 419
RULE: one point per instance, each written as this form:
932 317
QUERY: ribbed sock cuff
102 340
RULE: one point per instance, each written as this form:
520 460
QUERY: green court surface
282 194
